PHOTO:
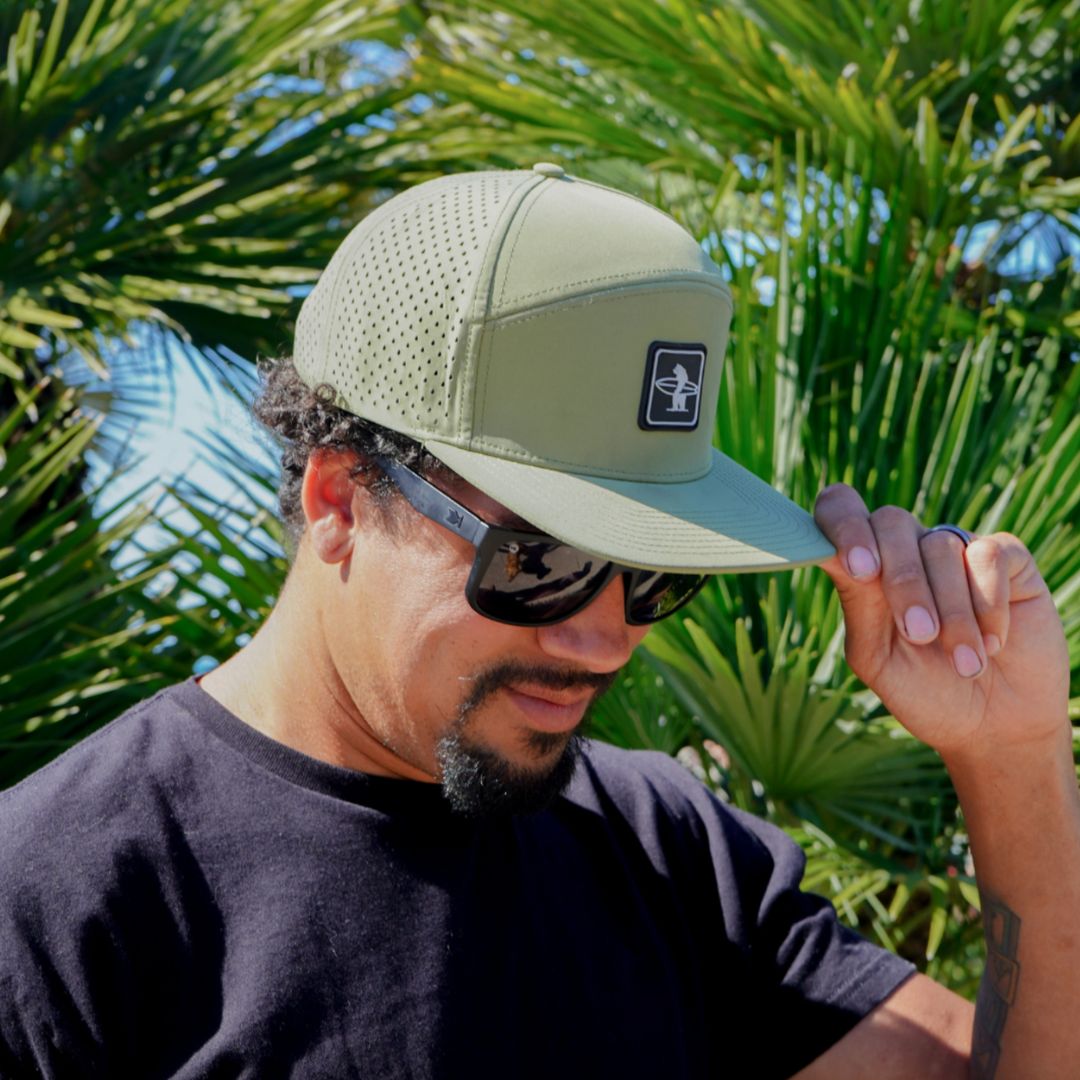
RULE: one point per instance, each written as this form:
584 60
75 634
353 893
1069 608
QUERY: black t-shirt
182 896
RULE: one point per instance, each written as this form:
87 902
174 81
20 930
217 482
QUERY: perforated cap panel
384 323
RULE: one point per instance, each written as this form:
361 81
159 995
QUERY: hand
964 646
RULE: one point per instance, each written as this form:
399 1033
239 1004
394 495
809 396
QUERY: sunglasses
531 579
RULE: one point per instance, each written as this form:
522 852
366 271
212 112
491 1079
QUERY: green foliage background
180 171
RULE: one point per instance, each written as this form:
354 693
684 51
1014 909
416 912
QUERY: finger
842 516
947 572
988 581
1025 581
903 576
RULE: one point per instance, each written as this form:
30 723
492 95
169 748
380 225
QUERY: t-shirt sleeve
817 976
804 979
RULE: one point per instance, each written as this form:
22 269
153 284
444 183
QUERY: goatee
481 783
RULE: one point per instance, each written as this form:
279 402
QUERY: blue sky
167 444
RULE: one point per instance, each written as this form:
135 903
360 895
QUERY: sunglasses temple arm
435 504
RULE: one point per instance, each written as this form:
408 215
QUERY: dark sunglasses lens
540 581
657 595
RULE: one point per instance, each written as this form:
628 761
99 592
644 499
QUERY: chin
480 782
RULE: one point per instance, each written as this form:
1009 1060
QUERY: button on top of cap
549 168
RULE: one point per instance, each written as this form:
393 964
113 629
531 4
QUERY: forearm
1023 817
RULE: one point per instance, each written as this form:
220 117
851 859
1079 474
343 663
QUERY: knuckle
986 553
891 517
834 495
852 534
954 619
904 575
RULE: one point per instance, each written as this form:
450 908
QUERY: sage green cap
559 345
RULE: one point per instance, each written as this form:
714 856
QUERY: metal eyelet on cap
549 168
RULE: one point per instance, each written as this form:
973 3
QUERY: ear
328 496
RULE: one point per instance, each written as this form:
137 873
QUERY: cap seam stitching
468 401
581 300
702 277
517 239
497 238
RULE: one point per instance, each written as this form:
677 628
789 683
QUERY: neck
284 683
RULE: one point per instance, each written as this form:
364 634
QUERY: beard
481 783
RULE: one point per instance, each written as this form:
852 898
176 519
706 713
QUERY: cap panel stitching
583 300
538 189
468 401
645 276
497 240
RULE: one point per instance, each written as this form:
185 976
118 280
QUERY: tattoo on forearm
998 988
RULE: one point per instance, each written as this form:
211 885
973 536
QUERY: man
373 842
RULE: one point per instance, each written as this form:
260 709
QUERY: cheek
412 591
415 635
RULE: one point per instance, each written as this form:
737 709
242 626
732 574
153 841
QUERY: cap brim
726 521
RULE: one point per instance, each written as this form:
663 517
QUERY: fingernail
966 661
861 562
919 623
992 643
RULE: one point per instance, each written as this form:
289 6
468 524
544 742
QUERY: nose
598 638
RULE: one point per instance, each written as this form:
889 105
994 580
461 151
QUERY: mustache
510 673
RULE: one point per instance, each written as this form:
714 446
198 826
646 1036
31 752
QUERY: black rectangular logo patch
671 396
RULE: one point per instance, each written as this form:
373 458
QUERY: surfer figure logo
678 387
682 386
671 396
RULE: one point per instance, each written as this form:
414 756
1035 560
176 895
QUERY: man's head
545 353
496 711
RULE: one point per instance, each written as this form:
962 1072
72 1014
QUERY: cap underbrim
727 521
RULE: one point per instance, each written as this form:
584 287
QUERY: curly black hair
302 419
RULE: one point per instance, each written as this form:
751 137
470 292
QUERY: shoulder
98 759
666 806
741 877
634 775
647 782
85 841
87 896
59 817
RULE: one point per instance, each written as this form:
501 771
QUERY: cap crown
517 314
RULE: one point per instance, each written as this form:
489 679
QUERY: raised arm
965 648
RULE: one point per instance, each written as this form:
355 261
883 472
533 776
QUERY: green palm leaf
72 640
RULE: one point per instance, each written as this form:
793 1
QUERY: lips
548 710
552 697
